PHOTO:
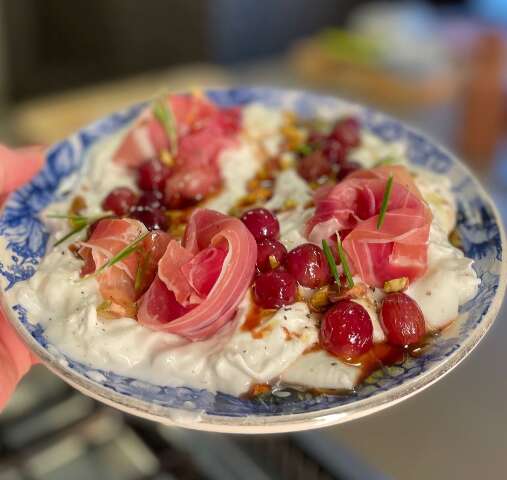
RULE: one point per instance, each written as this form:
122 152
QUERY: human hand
16 168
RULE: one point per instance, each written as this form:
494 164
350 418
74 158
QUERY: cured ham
203 279
117 282
351 209
202 129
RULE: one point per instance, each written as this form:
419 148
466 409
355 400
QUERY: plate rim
284 423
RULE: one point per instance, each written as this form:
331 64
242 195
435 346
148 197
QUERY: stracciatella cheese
233 360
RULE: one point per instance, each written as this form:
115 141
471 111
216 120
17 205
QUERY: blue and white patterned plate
23 239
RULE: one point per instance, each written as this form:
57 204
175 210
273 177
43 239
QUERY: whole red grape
346 330
308 265
274 289
269 248
119 200
402 320
261 223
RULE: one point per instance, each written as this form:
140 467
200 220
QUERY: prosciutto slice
110 236
351 209
201 281
203 131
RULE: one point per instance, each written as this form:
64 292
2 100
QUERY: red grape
334 151
152 175
346 330
347 168
402 319
313 166
274 289
316 139
261 223
267 248
153 219
150 200
119 200
347 132
308 265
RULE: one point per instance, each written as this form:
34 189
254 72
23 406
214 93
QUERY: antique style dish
251 260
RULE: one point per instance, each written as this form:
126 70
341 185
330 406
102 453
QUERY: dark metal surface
51 432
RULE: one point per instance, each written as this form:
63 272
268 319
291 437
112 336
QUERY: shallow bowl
23 239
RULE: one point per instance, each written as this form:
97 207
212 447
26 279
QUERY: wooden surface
49 119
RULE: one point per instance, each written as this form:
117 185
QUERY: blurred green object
345 46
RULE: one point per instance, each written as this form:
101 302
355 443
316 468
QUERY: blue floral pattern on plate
25 238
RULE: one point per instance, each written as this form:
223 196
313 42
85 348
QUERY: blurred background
440 65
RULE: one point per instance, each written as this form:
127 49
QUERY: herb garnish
385 201
345 264
123 253
79 222
304 149
385 161
164 114
331 261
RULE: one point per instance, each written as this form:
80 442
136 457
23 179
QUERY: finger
15 360
17 166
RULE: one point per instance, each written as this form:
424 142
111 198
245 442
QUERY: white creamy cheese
373 150
233 360
449 282
237 165
321 370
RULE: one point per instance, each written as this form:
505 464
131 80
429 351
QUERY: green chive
385 201
304 149
141 267
79 222
164 114
331 261
386 161
345 264
122 254
71 233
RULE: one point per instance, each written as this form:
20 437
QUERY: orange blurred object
482 122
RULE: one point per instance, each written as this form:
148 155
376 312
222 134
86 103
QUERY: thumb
17 166
15 360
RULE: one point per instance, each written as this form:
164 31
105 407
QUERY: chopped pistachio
166 158
289 204
396 285
178 231
104 305
259 195
359 290
235 211
111 311
287 160
273 262
320 299
455 239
